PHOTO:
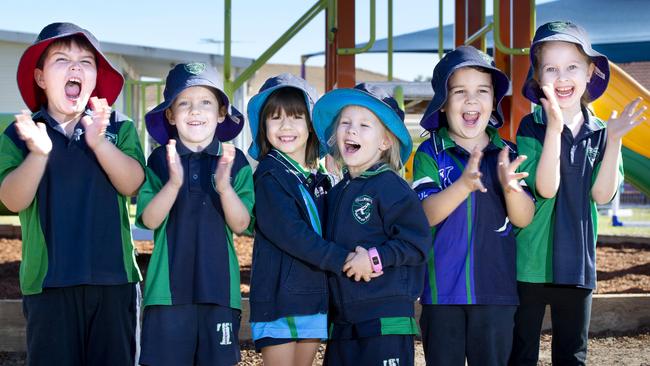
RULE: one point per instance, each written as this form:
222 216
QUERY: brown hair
537 60
292 101
67 42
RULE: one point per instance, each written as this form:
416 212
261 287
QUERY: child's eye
275 116
484 91
572 67
365 125
550 69
458 91
61 59
206 102
344 123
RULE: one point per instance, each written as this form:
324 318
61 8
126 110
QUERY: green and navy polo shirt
194 259
76 231
559 246
473 256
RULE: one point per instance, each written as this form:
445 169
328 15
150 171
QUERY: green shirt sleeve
151 186
129 143
243 186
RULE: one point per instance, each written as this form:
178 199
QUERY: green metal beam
371 41
480 34
230 87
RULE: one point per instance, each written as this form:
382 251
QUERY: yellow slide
621 90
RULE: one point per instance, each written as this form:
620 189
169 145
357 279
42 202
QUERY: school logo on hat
485 57
195 68
362 208
558 26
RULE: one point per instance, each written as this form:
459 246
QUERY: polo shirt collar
214 148
442 141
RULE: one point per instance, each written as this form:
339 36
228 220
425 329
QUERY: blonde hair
390 156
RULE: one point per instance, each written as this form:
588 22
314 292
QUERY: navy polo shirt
473 256
194 259
76 231
559 246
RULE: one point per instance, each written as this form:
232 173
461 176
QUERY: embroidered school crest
592 154
362 209
195 68
111 137
558 26
485 57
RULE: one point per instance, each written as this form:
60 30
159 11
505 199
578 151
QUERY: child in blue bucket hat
374 213
470 192
68 166
574 163
288 295
198 192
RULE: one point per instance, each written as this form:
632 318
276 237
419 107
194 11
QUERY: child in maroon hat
68 169
574 161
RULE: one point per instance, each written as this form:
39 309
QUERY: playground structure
506 35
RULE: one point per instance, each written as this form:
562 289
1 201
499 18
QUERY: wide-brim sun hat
372 97
463 56
181 77
257 102
565 31
109 80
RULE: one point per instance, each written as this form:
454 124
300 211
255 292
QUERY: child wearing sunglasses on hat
373 212
198 192
574 161
289 296
67 166
469 189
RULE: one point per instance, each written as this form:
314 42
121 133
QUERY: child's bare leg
305 352
279 355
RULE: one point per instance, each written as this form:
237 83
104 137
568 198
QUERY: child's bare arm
160 205
124 172
607 182
519 205
440 205
19 187
547 177
236 213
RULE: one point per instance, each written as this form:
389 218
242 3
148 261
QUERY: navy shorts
389 350
193 334
82 325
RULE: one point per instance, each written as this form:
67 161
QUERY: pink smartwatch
375 261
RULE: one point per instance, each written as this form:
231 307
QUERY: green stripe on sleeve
233 270
292 327
243 186
129 143
34 264
425 166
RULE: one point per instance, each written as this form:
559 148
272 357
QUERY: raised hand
34 134
174 164
508 177
631 117
554 118
224 167
357 264
96 125
471 177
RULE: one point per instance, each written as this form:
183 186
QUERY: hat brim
433 119
596 86
109 81
254 111
161 130
329 106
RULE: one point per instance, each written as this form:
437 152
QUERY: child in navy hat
374 213
466 181
67 166
289 297
574 163
198 192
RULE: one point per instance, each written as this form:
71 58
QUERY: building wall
10 99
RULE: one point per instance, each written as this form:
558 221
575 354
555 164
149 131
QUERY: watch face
375 261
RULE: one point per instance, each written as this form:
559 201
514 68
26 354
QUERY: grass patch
639 215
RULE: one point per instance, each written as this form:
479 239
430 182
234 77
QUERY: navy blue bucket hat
567 32
256 105
109 80
463 56
372 97
181 77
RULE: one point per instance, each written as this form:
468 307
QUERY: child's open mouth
564 92
73 88
195 123
287 139
471 118
351 147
